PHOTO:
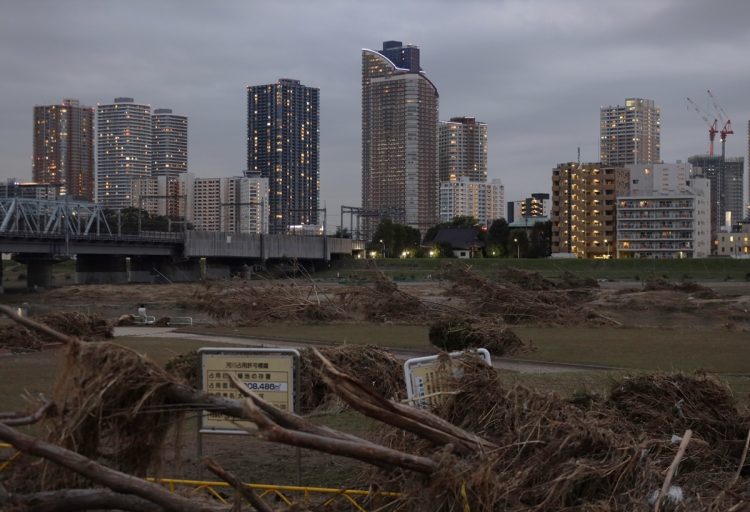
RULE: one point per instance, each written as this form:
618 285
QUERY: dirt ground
624 301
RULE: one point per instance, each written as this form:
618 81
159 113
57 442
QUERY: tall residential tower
462 148
64 148
283 146
630 134
399 136
169 143
123 150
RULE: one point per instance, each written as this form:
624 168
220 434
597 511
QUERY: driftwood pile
374 366
550 455
489 447
246 304
20 339
454 334
697 290
535 300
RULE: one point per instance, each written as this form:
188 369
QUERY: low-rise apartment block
667 214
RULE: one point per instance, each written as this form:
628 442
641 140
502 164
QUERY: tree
393 239
342 232
133 220
498 237
540 240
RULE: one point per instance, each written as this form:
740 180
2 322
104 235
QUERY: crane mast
712 126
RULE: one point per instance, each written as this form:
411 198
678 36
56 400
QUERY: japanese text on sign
271 374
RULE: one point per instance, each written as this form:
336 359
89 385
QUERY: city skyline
536 72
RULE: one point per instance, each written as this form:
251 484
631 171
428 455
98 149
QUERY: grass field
714 350
384 335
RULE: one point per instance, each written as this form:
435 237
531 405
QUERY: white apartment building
485 201
233 205
664 224
123 149
169 143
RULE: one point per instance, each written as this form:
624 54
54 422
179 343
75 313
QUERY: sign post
271 373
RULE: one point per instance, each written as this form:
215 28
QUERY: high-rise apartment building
630 133
462 149
462 197
726 178
583 208
399 136
283 147
64 148
747 176
169 143
123 150
230 205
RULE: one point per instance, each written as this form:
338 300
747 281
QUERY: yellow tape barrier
289 494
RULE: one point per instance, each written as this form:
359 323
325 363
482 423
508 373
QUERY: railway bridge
41 233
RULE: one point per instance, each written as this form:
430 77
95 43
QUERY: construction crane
724 118
712 127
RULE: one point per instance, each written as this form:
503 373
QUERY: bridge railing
144 236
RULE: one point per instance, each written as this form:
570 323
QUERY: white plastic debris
674 495
675 439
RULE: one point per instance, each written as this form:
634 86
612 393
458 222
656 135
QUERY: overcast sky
537 71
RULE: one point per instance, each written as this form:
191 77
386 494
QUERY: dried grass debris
374 366
90 327
248 304
695 289
461 333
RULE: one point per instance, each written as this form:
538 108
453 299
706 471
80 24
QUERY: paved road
520 366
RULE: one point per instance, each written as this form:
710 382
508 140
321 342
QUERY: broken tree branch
71 500
366 452
115 480
44 411
250 495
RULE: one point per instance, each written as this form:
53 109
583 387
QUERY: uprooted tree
488 447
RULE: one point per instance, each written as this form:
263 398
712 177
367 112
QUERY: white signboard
427 379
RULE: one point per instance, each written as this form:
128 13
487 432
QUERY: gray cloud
536 70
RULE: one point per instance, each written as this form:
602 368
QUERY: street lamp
606 246
518 248
383 244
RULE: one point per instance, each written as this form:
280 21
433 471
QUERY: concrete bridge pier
38 268
39 273
99 268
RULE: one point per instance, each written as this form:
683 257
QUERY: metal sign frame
420 362
250 355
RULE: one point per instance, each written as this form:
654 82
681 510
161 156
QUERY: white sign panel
427 378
